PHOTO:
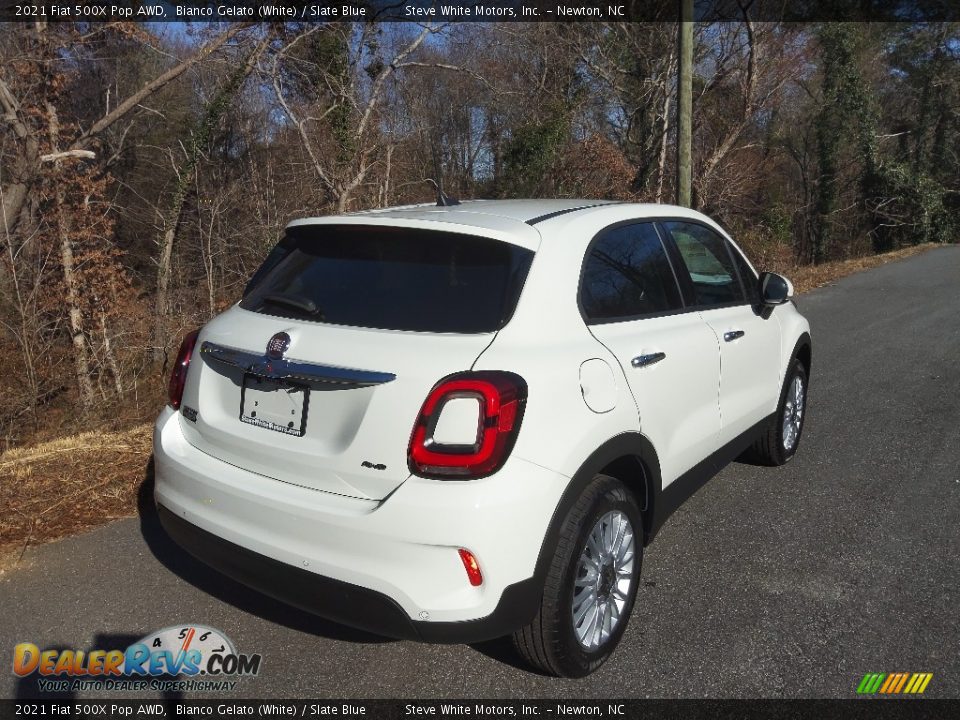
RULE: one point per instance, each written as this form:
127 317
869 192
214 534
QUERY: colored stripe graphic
891 681
918 683
870 683
903 679
894 683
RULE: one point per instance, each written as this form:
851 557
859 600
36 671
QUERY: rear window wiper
296 302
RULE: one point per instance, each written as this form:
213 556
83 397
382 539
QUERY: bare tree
753 62
347 110
27 162
43 161
197 145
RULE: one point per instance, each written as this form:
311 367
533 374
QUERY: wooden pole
685 104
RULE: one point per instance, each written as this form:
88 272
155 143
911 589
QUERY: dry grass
808 277
59 488
56 489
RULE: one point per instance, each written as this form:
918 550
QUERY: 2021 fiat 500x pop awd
455 423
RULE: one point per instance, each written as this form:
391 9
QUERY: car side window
626 274
707 259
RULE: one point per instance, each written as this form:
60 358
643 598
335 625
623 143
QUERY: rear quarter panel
547 342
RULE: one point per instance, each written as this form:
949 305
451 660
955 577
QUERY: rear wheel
591 584
780 440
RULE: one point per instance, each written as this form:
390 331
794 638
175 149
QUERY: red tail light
178 377
500 399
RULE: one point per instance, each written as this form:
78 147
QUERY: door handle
732 335
650 359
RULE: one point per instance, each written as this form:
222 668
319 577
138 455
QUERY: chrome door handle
644 360
732 335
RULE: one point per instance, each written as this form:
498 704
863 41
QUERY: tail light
178 377
467 425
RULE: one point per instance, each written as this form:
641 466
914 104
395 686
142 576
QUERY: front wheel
591 584
780 440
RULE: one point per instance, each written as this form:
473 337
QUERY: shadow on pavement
502 650
227 590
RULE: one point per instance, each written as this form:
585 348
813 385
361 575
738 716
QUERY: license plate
276 405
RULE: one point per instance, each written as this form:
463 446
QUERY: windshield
390 278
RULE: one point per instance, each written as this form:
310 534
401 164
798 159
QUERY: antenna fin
443 200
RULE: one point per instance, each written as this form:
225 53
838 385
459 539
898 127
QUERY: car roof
514 221
525 211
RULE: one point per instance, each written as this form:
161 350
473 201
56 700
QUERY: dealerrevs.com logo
179 658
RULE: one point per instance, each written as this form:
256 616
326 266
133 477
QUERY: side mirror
774 289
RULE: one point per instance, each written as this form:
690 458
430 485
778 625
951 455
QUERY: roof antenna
443 200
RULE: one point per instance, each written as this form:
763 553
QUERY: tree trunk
111 357
23 169
166 255
664 137
685 104
27 335
346 193
385 186
81 356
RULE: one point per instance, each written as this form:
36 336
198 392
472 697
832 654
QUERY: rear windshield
390 278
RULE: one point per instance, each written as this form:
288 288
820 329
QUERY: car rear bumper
390 567
339 601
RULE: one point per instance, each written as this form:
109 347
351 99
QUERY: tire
781 438
553 642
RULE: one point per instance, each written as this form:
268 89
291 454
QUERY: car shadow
501 649
747 458
225 589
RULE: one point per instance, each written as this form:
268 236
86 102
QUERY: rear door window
392 278
626 275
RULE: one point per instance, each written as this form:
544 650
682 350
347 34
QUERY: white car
452 423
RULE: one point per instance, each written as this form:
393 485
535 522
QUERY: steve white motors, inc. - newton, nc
509 710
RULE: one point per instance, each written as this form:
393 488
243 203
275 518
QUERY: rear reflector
464 447
472 567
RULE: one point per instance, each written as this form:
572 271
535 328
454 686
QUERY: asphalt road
791 582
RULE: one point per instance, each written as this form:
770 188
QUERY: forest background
146 170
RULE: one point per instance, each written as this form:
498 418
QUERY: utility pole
685 103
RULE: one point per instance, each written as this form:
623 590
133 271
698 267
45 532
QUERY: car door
631 301
749 339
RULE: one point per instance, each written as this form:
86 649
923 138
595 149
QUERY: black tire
550 642
770 448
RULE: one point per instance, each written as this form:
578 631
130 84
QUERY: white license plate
274 404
